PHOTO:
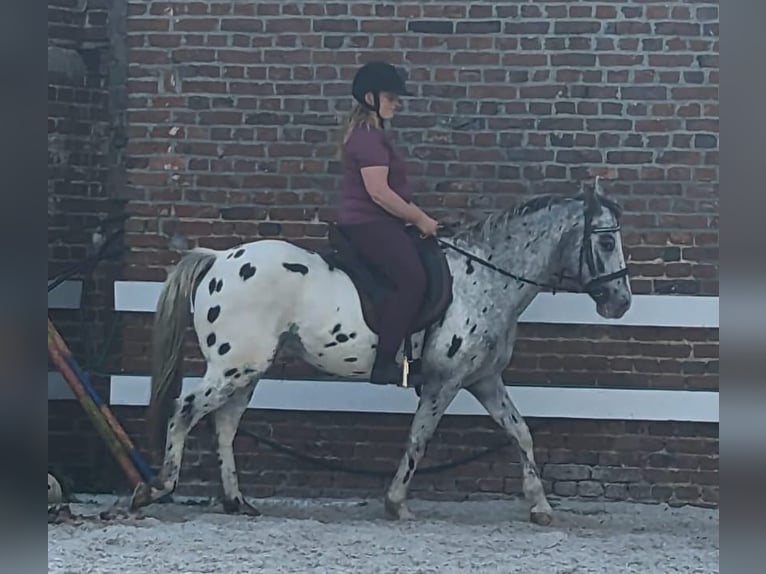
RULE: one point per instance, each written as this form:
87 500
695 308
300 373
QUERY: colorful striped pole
123 449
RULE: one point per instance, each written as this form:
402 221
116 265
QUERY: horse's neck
534 245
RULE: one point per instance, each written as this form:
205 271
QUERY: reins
503 272
586 257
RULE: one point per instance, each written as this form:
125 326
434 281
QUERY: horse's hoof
240 506
142 496
398 511
540 518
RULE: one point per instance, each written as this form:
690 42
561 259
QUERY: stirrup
406 361
405 373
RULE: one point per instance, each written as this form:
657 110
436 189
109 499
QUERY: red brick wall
85 138
232 113
84 141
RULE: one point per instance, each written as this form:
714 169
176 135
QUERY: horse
250 302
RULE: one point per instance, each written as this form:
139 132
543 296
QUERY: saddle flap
372 285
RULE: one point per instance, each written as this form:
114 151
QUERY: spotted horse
251 302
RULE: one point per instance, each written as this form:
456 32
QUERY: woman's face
389 103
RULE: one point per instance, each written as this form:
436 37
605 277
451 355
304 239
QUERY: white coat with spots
268 296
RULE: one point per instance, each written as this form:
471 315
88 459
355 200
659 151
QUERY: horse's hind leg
213 393
491 393
434 400
226 421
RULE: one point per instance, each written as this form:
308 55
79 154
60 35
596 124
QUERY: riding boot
390 373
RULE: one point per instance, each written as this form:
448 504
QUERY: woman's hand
427 225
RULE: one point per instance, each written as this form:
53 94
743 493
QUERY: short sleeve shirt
368 147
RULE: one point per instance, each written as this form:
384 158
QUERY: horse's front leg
435 397
492 394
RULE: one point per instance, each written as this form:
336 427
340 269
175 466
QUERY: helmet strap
375 108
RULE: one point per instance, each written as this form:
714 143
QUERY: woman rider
376 205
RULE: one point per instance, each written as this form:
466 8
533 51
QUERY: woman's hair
359 116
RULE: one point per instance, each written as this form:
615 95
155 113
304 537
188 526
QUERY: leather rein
586 258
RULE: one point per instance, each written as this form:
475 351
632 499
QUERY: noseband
586 256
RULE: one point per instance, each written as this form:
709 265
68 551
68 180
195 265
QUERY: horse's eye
607 243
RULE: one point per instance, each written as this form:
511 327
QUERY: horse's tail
170 321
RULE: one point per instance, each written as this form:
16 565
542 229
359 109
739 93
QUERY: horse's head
599 263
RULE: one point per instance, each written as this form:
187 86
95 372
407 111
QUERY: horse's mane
501 218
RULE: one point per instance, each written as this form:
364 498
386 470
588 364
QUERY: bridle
586 255
586 258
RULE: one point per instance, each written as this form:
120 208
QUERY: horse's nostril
599 294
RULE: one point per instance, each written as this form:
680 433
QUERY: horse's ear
589 193
598 189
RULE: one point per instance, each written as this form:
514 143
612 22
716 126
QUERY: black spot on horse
514 418
220 461
189 398
219 286
467 321
249 371
473 358
296 268
239 253
186 411
360 372
352 335
350 359
341 338
246 271
224 348
208 392
328 345
469 267
454 346
230 372
335 329
473 330
213 312
211 286
484 310
211 339
373 347
320 354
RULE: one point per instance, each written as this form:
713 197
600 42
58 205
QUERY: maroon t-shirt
367 147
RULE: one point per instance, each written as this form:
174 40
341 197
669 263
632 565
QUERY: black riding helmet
377 77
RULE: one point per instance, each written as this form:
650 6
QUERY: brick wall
86 136
232 110
84 142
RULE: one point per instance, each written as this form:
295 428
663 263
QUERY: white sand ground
352 536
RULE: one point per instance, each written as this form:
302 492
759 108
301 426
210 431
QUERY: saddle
372 285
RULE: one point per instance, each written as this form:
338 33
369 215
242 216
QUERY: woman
376 204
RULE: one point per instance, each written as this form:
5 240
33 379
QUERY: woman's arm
376 183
